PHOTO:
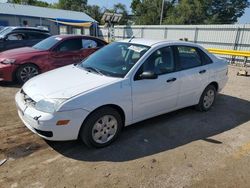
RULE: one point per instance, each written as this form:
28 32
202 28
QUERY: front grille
27 100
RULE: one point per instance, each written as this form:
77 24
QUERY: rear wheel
101 128
25 72
207 98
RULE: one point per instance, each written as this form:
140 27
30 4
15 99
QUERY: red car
51 53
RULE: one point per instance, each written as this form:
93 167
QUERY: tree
225 11
95 12
121 9
75 5
147 12
30 2
189 11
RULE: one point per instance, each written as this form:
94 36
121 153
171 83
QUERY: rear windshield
5 31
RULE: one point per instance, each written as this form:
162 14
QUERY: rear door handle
202 71
171 80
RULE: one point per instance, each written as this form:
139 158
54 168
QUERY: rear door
67 52
193 75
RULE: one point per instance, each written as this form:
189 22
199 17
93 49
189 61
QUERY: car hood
18 51
64 83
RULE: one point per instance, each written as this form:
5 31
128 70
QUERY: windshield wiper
93 69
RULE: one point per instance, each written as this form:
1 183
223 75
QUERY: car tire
207 99
25 72
101 128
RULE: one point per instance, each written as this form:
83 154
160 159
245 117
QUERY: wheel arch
114 106
215 84
14 76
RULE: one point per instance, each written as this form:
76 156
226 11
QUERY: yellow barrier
233 53
229 52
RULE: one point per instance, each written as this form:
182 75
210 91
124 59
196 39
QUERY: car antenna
131 38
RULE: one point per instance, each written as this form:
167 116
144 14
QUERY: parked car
16 37
119 85
53 52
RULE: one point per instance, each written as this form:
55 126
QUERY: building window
76 31
4 23
63 29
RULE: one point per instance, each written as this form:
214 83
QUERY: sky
109 3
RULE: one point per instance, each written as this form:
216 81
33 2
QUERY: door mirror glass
148 75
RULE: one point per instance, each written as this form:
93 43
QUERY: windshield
115 59
47 43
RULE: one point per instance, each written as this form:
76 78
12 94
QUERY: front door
15 40
156 96
68 52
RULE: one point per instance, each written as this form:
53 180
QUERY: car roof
155 42
66 36
28 29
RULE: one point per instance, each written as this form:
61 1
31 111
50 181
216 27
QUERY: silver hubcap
104 129
27 73
208 98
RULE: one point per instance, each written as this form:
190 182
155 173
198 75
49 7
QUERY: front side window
16 36
115 59
160 62
70 45
189 57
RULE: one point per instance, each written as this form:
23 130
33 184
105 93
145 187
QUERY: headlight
48 105
8 61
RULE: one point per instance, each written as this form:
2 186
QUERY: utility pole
162 9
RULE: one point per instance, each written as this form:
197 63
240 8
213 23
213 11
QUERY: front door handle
202 71
171 80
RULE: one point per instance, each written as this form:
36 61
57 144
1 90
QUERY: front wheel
207 99
101 128
25 72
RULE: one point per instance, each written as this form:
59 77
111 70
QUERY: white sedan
119 85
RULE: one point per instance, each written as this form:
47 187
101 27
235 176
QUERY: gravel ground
185 148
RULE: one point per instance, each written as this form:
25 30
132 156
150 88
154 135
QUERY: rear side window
189 57
33 36
205 58
70 45
87 43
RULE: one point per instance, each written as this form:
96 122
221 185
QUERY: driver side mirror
148 75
